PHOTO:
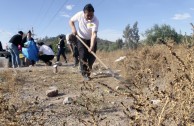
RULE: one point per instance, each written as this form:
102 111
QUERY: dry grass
166 71
161 72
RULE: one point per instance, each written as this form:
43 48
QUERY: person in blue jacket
30 51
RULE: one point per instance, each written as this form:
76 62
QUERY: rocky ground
76 103
156 89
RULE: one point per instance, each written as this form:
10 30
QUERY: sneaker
86 78
49 63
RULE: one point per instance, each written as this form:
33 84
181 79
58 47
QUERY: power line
54 16
40 10
43 17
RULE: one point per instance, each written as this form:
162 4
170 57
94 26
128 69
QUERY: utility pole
192 28
32 32
185 40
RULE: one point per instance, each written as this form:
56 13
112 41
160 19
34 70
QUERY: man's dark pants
86 58
76 55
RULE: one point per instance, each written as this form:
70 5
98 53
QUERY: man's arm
73 28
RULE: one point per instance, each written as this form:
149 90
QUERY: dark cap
40 43
61 36
29 32
20 32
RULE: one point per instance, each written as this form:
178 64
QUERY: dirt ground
157 90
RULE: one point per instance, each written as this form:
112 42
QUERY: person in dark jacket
72 42
13 48
1 47
61 49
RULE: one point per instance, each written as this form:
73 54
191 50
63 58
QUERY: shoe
49 63
86 78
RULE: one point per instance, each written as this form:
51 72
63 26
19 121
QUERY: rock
155 102
50 104
108 91
68 100
52 92
120 58
95 74
58 63
55 70
118 88
113 103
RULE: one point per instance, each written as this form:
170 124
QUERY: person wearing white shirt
46 54
87 31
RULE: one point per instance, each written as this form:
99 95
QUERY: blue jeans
13 49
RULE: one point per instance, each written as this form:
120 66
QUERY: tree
131 36
164 32
119 43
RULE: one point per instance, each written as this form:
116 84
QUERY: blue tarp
31 51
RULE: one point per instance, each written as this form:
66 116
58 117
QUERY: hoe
116 76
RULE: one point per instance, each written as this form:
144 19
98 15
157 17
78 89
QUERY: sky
51 17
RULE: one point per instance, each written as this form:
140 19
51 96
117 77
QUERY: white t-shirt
85 27
46 50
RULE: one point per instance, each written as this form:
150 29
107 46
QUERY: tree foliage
164 32
131 36
53 41
119 43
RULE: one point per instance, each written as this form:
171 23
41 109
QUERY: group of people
87 33
32 52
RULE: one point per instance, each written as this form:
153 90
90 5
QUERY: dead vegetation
158 91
